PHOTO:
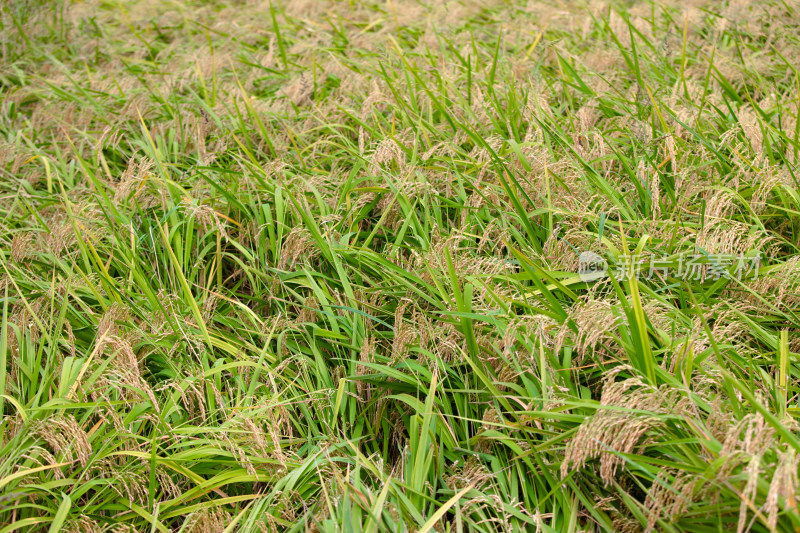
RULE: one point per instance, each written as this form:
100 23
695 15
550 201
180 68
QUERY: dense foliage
276 266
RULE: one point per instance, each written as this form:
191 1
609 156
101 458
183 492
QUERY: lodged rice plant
399 265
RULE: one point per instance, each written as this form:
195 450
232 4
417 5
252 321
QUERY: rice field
399 265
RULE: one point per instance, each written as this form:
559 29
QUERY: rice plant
321 265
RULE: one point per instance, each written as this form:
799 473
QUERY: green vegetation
277 266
